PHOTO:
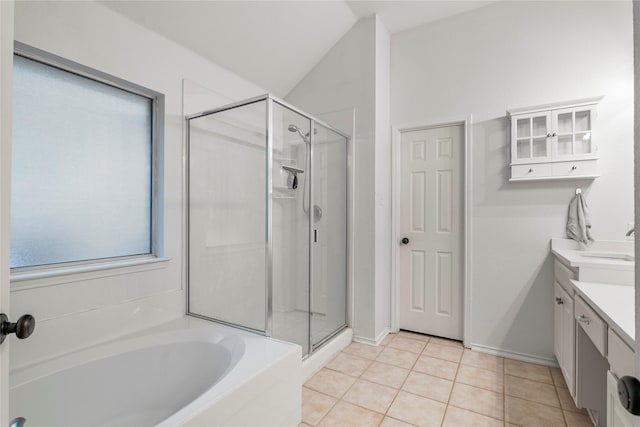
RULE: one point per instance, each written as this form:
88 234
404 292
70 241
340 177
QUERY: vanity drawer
564 275
592 325
531 171
577 168
620 356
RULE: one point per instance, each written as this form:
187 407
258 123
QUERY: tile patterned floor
418 380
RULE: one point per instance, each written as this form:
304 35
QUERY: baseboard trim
552 362
365 340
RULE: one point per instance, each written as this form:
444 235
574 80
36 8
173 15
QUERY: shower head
294 128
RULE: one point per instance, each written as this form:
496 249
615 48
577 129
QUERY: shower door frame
269 100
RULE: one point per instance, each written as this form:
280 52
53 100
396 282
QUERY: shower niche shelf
283 193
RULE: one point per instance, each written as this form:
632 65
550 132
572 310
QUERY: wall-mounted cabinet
555 141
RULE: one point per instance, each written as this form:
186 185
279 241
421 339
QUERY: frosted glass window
81 168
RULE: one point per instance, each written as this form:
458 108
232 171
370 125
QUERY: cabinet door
573 132
564 338
530 134
558 330
569 343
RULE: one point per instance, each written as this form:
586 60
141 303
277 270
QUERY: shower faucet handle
23 328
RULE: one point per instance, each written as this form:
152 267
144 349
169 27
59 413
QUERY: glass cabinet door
582 136
531 136
573 131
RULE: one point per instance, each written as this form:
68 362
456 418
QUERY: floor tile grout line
341 398
530 379
405 380
397 391
401 385
330 408
536 402
455 377
429 337
555 389
564 416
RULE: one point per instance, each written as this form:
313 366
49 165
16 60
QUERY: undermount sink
603 261
608 255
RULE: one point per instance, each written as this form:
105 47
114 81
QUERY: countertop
572 254
614 303
576 259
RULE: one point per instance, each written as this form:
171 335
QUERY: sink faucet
630 232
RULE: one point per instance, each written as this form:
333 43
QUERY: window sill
24 280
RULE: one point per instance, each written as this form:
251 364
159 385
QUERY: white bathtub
185 373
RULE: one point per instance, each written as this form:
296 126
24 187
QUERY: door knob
405 240
23 328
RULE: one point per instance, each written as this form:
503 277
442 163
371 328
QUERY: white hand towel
578 223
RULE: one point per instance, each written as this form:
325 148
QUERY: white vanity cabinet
554 141
594 325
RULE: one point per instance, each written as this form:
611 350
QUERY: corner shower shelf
283 193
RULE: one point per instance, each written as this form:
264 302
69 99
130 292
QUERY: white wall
382 178
517 54
348 77
84 309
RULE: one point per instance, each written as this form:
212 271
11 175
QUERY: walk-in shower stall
267 221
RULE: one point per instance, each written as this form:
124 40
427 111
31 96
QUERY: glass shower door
227 210
290 176
329 234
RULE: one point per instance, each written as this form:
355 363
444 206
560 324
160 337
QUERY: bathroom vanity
594 324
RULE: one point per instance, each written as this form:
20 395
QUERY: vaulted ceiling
274 44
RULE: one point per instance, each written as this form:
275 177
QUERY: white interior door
6 65
431 218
